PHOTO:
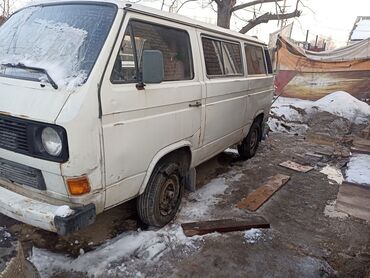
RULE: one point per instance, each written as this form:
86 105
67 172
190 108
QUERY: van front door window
173 43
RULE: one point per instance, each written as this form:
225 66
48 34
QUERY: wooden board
360 150
258 197
315 155
354 199
361 142
321 139
224 225
296 166
361 146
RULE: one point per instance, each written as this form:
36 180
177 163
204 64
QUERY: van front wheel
161 199
248 147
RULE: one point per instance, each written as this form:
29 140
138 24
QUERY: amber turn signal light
78 186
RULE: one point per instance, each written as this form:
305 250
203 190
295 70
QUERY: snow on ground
121 255
344 105
253 235
134 250
333 173
199 204
358 170
291 115
330 211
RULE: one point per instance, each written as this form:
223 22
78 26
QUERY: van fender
259 112
158 157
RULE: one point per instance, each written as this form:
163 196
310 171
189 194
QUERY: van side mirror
153 69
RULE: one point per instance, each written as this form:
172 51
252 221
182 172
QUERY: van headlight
51 141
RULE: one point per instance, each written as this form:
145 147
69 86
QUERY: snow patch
288 115
199 203
333 173
291 115
253 235
344 105
358 170
331 212
63 211
119 256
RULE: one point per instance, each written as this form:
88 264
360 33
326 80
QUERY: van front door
139 121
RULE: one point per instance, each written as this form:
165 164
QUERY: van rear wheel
248 148
161 199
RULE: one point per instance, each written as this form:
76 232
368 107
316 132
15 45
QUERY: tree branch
267 17
252 3
187 1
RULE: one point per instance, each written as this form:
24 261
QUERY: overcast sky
328 18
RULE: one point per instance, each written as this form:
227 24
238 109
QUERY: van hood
28 100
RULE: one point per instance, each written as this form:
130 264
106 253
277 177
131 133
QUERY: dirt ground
302 240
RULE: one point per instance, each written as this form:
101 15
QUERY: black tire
248 148
161 199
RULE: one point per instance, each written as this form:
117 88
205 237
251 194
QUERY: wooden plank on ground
361 145
360 150
258 197
326 153
296 166
321 139
224 225
361 142
354 199
315 155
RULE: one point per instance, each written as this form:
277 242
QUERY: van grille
21 174
13 135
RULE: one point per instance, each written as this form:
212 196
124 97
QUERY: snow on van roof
158 13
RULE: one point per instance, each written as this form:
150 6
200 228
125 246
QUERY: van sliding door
226 88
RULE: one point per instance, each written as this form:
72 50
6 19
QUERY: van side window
173 43
268 61
232 58
255 57
222 58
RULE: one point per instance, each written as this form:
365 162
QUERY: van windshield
63 40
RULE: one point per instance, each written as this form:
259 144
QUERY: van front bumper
43 215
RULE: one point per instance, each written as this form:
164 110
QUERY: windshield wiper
44 71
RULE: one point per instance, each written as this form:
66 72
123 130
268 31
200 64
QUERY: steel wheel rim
254 139
169 195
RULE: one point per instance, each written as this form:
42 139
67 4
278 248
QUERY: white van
103 102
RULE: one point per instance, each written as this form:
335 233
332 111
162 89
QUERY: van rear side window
255 57
222 58
173 43
268 61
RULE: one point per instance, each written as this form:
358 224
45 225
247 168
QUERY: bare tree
5 7
226 8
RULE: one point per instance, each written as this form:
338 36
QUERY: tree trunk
223 16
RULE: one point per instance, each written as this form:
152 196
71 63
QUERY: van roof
158 13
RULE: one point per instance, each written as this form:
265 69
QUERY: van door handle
197 104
